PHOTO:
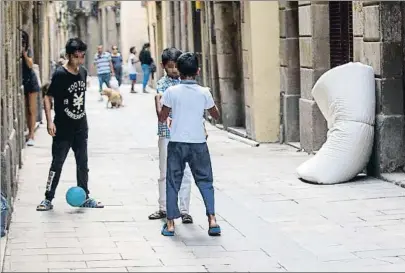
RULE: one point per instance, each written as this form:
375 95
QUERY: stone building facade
44 22
266 96
12 112
96 23
226 37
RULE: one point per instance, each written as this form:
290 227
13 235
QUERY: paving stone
124 263
107 269
168 269
84 257
271 221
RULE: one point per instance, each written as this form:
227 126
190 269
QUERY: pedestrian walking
103 64
116 59
146 62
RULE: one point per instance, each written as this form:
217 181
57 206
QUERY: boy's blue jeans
104 78
199 160
146 75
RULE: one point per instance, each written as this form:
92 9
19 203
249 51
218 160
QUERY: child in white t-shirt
132 60
188 101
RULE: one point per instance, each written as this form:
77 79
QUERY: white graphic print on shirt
74 105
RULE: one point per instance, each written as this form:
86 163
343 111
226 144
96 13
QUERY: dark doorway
341 32
196 17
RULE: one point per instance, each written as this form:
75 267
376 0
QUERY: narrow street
271 221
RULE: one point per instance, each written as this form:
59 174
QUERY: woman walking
146 61
116 59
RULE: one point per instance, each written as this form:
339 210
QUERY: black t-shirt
69 93
145 57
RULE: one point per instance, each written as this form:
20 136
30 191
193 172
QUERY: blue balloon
75 196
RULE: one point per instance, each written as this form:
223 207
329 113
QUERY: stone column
111 29
213 62
314 61
261 78
290 70
383 39
177 24
93 34
183 26
358 29
100 26
229 78
104 27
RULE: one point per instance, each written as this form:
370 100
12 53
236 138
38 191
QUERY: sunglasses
115 48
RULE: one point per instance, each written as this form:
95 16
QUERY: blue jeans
198 158
118 75
104 78
146 75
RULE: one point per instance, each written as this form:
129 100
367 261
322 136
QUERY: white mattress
346 97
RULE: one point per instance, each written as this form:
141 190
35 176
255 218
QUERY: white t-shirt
188 102
131 66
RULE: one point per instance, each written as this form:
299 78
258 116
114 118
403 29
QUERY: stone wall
12 113
314 61
289 70
382 47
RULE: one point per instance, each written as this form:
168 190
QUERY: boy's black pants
60 149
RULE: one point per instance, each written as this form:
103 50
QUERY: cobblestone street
271 221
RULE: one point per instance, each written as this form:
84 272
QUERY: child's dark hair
187 64
170 54
75 44
131 49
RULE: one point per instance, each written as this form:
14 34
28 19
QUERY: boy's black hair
187 64
75 44
131 49
170 54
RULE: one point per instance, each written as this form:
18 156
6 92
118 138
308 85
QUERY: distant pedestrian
102 61
116 59
187 101
69 128
132 61
146 62
31 88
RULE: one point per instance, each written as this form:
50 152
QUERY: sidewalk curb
397 178
243 140
3 247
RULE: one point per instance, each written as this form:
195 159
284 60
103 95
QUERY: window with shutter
341 32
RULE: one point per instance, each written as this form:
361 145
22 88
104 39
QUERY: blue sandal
91 203
45 205
214 231
166 232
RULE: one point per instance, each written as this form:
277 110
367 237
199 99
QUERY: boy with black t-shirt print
69 128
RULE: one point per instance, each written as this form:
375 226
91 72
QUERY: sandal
214 231
166 232
186 219
91 203
157 215
45 205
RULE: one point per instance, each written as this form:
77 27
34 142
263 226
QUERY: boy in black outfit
69 128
